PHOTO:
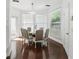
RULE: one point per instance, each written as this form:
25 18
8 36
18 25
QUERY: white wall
12 12
7 27
66 27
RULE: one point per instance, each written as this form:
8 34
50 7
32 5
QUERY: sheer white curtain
41 21
34 21
27 21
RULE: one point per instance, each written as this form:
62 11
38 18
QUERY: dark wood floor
53 51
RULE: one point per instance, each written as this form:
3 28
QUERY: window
55 24
27 21
40 21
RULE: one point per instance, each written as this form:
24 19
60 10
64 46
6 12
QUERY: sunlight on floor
21 39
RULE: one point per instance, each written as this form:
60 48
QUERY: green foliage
57 19
55 16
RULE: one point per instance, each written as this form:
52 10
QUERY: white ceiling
39 5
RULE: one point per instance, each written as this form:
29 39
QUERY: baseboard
55 40
8 57
8 51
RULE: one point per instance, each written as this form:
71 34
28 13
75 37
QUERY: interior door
13 27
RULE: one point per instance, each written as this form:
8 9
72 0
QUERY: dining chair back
24 33
29 29
46 33
39 35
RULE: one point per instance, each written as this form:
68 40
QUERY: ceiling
39 5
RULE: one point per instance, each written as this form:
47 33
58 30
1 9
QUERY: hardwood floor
53 51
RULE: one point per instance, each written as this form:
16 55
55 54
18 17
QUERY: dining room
36 29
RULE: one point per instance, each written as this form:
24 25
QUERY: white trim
8 51
55 40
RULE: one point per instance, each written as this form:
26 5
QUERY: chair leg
41 44
47 44
22 44
35 44
28 44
